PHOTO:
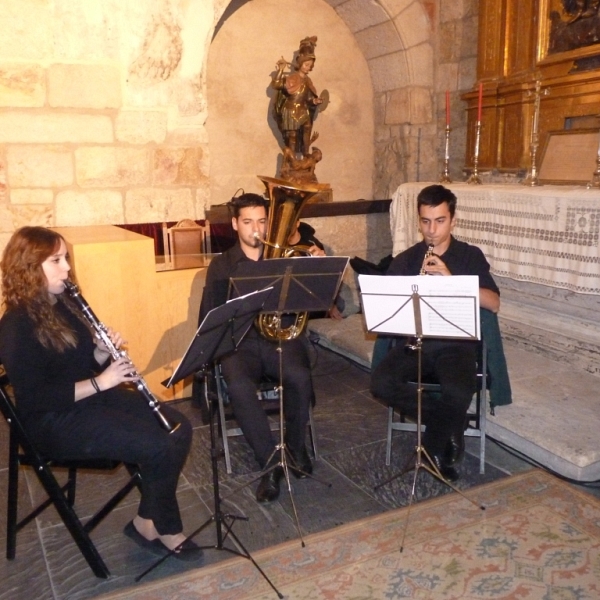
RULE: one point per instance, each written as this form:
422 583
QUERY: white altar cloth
547 235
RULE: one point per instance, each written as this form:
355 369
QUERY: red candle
447 108
480 102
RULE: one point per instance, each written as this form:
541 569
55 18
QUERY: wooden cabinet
157 312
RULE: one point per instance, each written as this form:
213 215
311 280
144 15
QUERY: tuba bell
286 201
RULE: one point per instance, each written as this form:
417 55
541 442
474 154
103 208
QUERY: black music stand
219 334
300 284
406 311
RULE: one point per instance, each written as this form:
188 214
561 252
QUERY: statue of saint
297 99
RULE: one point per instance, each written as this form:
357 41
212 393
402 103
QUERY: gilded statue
300 170
297 99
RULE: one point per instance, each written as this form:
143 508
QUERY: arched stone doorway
391 40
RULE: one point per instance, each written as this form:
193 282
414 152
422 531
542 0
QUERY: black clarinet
101 332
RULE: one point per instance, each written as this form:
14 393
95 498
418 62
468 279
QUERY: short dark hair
434 195
236 204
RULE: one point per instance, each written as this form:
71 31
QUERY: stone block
147 205
398 107
3 194
141 126
111 166
22 85
421 109
202 201
84 86
379 40
449 41
39 166
469 37
379 107
413 24
90 207
467 73
395 7
179 166
14 216
23 127
389 72
31 196
25 30
420 65
447 77
451 10
358 14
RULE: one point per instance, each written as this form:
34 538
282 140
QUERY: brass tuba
286 202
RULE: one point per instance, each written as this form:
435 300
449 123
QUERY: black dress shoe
300 464
268 488
455 448
188 551
156 547
448 472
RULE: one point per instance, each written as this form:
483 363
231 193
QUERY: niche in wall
243 139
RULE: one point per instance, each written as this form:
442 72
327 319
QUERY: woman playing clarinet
72 397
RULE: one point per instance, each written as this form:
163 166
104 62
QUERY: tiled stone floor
351 432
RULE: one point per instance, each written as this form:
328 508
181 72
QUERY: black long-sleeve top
460 258
44 379
216 287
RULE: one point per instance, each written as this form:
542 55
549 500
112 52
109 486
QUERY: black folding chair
22 451
268 393
476 415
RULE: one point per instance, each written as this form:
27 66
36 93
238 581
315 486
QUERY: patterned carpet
538 539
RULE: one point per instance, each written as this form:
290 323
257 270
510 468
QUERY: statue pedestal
325 195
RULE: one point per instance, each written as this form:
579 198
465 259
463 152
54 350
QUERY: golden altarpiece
522 42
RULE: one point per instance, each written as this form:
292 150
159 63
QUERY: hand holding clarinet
122 368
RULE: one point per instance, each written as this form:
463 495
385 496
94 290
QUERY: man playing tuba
257 357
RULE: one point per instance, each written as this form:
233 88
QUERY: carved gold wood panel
514 41
491 39
521 33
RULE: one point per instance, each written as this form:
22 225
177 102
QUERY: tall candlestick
474 177
445 178
447 108
531 178
480 102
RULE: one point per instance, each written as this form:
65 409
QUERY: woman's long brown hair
24 284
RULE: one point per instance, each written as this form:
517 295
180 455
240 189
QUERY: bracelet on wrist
95 384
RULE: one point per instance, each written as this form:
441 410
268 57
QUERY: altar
546 235
543 247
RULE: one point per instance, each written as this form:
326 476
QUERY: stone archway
394 37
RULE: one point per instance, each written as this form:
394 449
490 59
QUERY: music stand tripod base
220 333
420 451
299 285
285 456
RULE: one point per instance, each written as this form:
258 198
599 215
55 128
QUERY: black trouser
452 365
119 425
243 370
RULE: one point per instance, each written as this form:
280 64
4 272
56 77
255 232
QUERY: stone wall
101 112
104 106
370 236
555 323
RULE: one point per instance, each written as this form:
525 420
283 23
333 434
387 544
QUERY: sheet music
449 305
209 336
